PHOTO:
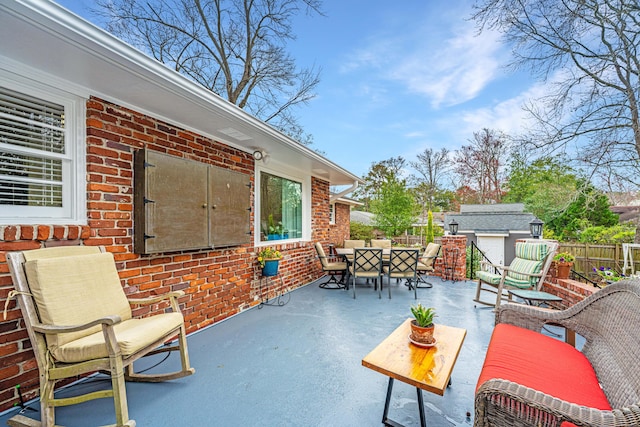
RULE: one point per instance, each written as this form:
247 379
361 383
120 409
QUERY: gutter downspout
342 193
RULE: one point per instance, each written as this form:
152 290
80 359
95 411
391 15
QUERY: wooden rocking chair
80 321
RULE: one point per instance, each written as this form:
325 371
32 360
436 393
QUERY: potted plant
269 260
608 275
422 325
275 230
563 263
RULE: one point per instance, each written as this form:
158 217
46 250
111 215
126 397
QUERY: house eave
42 35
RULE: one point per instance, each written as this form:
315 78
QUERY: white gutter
334 197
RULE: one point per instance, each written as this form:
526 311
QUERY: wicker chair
79 321
527 271
609 321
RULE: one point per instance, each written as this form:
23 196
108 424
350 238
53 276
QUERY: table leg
423 421
385 416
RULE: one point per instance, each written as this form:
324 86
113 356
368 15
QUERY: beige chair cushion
350 244
381 243
88 283
60 251
132 336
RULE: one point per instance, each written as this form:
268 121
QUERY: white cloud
456 71
507 115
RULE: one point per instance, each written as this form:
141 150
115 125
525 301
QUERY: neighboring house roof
491 219
347 201
365 218
89 61
626 213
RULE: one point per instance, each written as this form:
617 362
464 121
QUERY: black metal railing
474 257
582 278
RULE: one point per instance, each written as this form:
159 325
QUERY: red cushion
542 363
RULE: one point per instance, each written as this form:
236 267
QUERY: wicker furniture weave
609 320
79 321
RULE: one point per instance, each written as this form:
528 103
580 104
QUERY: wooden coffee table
425 368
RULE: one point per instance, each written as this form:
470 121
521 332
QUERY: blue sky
398 78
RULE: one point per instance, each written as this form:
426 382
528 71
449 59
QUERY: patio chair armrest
536 408
61 329
526 316
538 274
156 298
484 263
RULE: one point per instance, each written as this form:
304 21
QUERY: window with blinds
38 156
33 130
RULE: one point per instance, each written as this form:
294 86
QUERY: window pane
29 122
30 126
280 208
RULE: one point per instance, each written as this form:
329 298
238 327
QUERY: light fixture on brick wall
453 227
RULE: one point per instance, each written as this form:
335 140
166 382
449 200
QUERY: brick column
454 248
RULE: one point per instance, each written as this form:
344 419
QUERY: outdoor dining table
347 255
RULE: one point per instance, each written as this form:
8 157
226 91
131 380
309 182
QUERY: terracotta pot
563 269
420 334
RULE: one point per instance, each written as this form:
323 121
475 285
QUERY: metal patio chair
367 263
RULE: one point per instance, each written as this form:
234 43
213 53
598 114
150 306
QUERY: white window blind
33 129
41 154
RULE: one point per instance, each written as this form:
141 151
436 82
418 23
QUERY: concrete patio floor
300 365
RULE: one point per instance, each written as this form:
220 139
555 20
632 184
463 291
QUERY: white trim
74 209
496 234
332 213
288 173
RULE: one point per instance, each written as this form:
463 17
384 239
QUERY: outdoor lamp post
536 228
453 227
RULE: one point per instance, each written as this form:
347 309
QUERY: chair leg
353 277
47 409
420 279
337 284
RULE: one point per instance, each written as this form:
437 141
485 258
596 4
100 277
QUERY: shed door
493 248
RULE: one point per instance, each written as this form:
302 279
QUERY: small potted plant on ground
269 260
422 326
563 263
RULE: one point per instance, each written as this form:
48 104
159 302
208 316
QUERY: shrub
622 233
359 231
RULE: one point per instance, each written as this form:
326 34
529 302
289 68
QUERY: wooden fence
410 240
590 256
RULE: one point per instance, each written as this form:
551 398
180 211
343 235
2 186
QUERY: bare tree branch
235 48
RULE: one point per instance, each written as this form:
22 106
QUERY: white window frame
73 210
332 213
291 175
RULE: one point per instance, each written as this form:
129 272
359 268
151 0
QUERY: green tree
380 172
590 208
429 236
395 209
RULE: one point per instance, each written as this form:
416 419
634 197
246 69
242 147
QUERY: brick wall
571 291
452 262
217 283
340 231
